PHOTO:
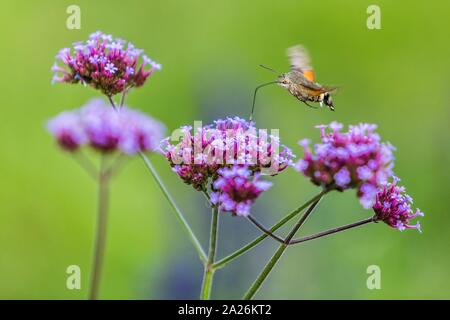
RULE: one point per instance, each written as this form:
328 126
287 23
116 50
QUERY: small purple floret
235 190
393 206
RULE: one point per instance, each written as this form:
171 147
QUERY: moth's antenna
267 68
254 96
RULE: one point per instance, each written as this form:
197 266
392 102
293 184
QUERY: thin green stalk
273 261
112 102
221 263
333 230
205 294
265 272
86 164
209 271
261 227
116 164
207 197
122 99
175 208
100 237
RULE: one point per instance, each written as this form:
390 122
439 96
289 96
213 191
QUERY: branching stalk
209 271
273 261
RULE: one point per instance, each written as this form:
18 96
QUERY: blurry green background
396 77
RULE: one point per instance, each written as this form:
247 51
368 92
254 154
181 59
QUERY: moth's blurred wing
319 89
332 89
300 61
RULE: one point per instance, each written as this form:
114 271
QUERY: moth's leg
312 107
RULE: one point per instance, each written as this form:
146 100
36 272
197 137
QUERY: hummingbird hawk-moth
300 80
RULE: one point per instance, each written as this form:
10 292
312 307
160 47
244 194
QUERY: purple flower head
393 206
67 130
199 153
104 63
141 133
236 189
345 160
106 130
102 125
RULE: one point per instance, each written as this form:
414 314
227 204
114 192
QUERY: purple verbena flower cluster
236 189
201 152
107 64
344 160
393 206
228 156
105 129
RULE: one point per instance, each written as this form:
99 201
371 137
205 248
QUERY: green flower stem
333 230
175 208
117 163
86 164
205 294
122 99
100 238
209 271
112 102
207 197
264 273
272 262
221 263
261 227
